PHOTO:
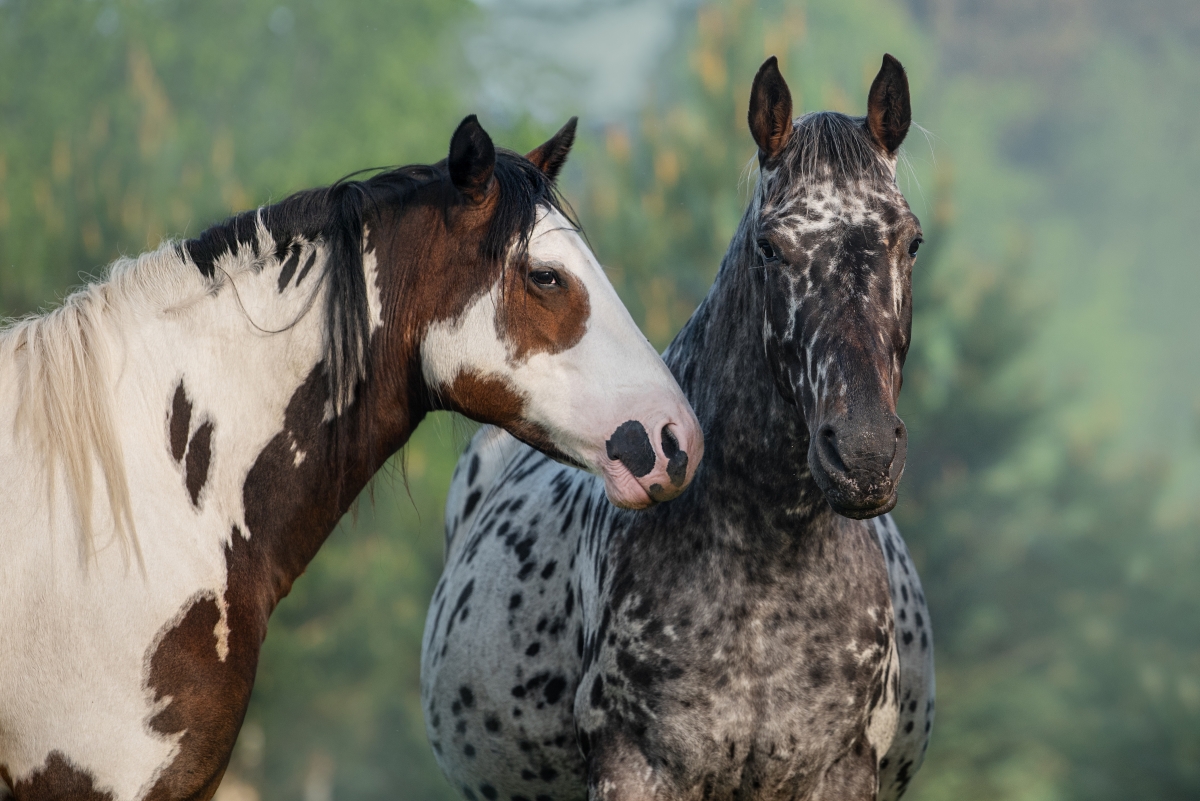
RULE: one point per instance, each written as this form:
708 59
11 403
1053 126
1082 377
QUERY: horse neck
317 463
755 442
256 373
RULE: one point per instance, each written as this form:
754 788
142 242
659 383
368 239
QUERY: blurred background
1052 497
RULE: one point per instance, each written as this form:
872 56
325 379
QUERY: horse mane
65 388
830 146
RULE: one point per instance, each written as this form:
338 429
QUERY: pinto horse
760 637
232 394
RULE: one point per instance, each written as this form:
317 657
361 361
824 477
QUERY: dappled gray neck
752 435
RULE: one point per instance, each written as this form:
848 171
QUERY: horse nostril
631 446
899 432
677 459
670 445
829 450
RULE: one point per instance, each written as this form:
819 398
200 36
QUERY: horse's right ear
770 111
551 155
472 159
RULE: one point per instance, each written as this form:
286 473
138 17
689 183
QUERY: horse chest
745 664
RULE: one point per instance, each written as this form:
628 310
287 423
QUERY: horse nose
659 464
631 446
845 448
859 466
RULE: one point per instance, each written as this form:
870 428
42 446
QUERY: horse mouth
623 489
861 510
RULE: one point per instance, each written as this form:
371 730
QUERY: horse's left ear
472 159
551 155
888 109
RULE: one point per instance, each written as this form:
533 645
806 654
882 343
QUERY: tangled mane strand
830 146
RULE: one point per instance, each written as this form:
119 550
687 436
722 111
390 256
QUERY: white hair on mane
63 363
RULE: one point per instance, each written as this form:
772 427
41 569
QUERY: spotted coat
765 635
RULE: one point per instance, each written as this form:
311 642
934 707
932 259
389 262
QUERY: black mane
828 145
335 215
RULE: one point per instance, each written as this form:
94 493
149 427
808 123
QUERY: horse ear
472 159
770 114
551 155
888 110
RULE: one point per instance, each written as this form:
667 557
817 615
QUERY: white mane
64 364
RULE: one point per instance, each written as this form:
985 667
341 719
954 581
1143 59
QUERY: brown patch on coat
199 453
205 700
59 779
179 420
541 319
290 510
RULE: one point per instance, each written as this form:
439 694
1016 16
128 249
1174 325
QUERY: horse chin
622 488
862 511
857 500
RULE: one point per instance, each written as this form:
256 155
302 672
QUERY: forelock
827 147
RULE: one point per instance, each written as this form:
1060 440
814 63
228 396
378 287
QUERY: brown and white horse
177 441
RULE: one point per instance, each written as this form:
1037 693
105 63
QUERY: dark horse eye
766 251
545 278
916 243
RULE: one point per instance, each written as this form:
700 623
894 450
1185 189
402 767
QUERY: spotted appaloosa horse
233 394
760 637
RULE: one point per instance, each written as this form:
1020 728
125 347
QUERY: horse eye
766 251
545 278
916 243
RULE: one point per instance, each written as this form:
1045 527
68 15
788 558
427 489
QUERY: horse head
836 243
526 332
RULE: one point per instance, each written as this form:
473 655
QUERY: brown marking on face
490 399
199 453
59 779
541 319
179 419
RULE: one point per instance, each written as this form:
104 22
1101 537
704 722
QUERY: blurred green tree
125 122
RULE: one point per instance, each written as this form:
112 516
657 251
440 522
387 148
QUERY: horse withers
765 635
177 441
